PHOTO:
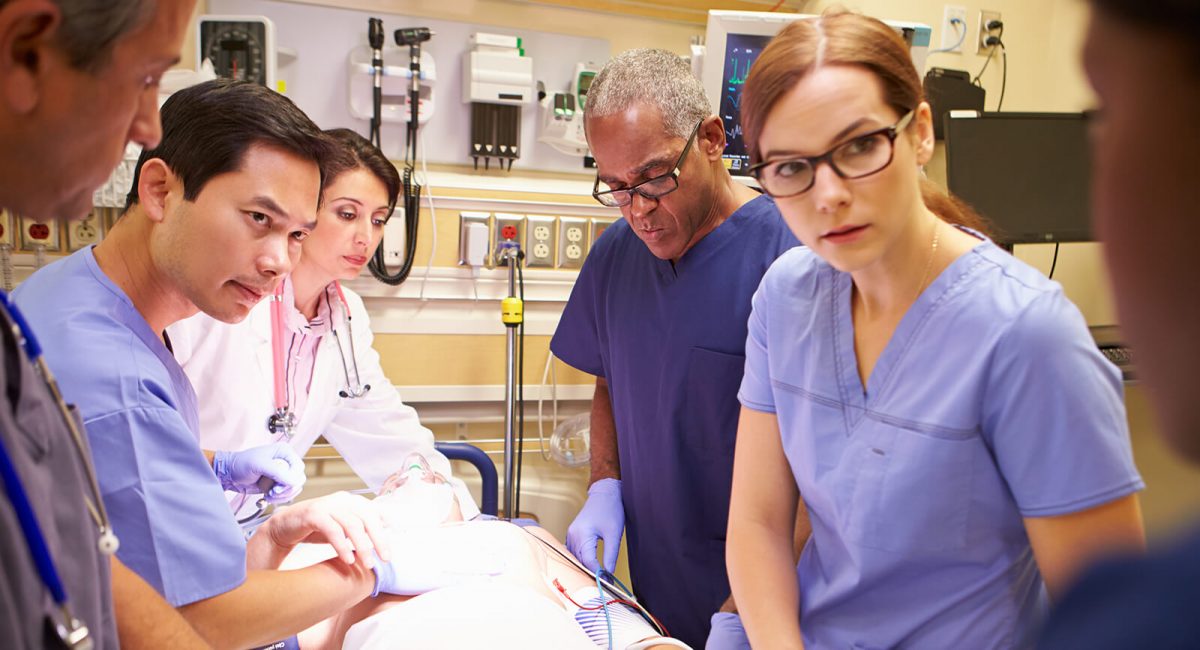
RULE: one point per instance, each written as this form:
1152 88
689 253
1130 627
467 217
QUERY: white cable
551 372
432 212
961 37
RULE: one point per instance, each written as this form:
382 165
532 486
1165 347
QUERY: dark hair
207 129
89 29
1179 16
358 152
843 38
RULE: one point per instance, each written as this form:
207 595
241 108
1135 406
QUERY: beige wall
1042 36
623 32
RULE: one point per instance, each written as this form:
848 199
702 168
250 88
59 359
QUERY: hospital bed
487 471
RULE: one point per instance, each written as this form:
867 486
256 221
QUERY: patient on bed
474 583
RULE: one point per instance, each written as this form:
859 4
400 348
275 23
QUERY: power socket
572 242
81 234
466 222
986 17
517 221
597 228
954 28
6 228
34 234
539 245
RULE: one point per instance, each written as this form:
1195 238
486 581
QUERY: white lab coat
230 366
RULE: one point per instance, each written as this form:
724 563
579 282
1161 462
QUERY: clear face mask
415 496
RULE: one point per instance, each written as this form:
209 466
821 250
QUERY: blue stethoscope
73 632
283 420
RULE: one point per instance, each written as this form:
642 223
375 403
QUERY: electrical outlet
465 219
954 28
572 242
6 228
504 221
539 242
35 234
81 234
986 17
596 227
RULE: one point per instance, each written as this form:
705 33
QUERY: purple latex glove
248 471
602 517
727 633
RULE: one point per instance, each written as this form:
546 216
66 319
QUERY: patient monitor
733 41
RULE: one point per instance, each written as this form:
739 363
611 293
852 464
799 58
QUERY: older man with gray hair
658 315
79 79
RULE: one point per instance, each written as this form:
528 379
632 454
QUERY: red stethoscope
283 420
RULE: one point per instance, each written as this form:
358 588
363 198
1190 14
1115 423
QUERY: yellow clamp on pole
512 311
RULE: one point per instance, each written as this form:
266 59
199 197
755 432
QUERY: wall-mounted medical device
396 74
239 47
562 113
497 81
733 41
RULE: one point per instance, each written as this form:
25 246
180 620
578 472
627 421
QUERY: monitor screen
741 50
733 41
1028 173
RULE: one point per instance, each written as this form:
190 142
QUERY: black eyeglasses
858 157
653 188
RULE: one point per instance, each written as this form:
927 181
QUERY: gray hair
653 77
91 28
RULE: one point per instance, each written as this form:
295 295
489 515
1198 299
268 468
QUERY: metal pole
510 331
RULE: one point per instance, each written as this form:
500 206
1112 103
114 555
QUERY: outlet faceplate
572 242
81 234
517 221
986 17
465 219
596 227
35 234
539 241
954 28
6 228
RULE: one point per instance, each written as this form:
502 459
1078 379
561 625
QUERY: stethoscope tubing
35 540
282 420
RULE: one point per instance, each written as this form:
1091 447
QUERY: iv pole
512 314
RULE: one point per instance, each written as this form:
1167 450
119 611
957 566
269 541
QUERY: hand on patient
347 522
242 471
602 517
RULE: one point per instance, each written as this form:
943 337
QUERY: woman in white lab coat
325 352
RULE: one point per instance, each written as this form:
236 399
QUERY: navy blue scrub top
670 341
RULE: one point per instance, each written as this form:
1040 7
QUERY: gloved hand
241 471
727 633
602 517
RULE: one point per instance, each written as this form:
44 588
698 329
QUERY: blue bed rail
481 461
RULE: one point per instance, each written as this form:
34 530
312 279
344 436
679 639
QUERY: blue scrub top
989 404
166 505
669 340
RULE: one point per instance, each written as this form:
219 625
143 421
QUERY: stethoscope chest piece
108 542
75 635
282 421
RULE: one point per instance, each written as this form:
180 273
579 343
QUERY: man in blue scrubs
1140 57
659 315
216 218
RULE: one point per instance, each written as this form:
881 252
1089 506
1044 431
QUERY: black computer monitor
1028 173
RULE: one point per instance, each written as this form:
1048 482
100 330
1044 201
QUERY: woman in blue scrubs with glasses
959 444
